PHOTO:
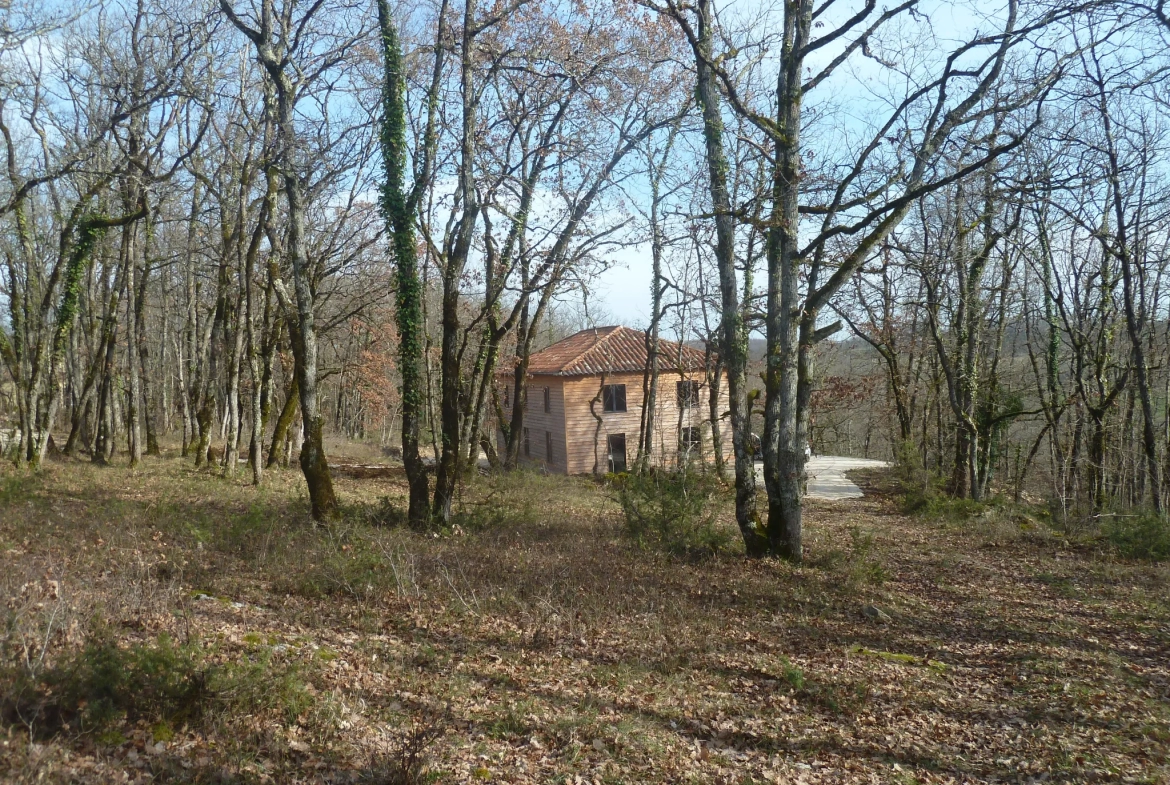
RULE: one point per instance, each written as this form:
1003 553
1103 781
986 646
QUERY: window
688 394
616 444
689 441
613 398
527 445
547 399
507 396
548 453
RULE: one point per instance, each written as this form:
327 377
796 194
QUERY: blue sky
858 93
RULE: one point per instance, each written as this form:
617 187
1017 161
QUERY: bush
908 465
674 511
351 566
102 682
15 488
408 762
483 503
858 564
1143 536
506 499
939 506
258 685
94 688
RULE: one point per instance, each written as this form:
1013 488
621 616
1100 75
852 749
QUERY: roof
615 349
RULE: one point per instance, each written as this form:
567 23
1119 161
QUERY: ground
534 643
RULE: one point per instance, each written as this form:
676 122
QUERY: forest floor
169 625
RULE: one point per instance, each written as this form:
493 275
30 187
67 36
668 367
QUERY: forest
279 281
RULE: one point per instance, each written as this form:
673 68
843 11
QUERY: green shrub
1143 536
941 507
162 683
258 685
858 564
908 465
509 498
15 488
674 511
103 682
348 564
499 499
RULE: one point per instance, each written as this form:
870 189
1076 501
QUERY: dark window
507 395
613 398
547 400
688 394
527 445
616 444
548 453
690 440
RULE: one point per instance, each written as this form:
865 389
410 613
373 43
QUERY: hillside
536 644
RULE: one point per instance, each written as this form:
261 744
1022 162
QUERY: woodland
271 269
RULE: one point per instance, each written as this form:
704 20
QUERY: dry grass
535 644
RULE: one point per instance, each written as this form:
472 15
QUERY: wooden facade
585 401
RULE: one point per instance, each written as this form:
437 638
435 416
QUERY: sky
623 290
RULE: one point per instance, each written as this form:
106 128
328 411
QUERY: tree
399 210
281 38
858 200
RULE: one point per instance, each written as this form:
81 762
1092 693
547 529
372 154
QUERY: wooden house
585 397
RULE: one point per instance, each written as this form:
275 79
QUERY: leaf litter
545 648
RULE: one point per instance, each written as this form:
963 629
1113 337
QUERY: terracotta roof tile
610 350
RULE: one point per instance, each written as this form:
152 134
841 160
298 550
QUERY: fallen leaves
561 654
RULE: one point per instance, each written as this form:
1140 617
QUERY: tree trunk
733 336
398 211
787 379
446 468
283 422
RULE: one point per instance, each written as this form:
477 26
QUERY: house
585 401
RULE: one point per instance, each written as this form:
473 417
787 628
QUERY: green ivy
397 212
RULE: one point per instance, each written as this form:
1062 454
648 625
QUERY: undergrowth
93 689
674 511
859 562
997 519
1143 535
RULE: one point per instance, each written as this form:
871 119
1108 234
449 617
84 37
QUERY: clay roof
610 350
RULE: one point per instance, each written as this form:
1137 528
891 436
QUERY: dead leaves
561 654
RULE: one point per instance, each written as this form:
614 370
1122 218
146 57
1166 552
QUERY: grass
535 642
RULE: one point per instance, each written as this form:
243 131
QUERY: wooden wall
588 440
578 443
539 422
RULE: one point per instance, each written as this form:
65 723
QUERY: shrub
15 488
1143 536
674 511
259 685
908 465
941 507
161 682
102 682
408 761
858 564
483 503
510 498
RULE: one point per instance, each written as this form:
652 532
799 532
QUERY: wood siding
539 422
580 441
